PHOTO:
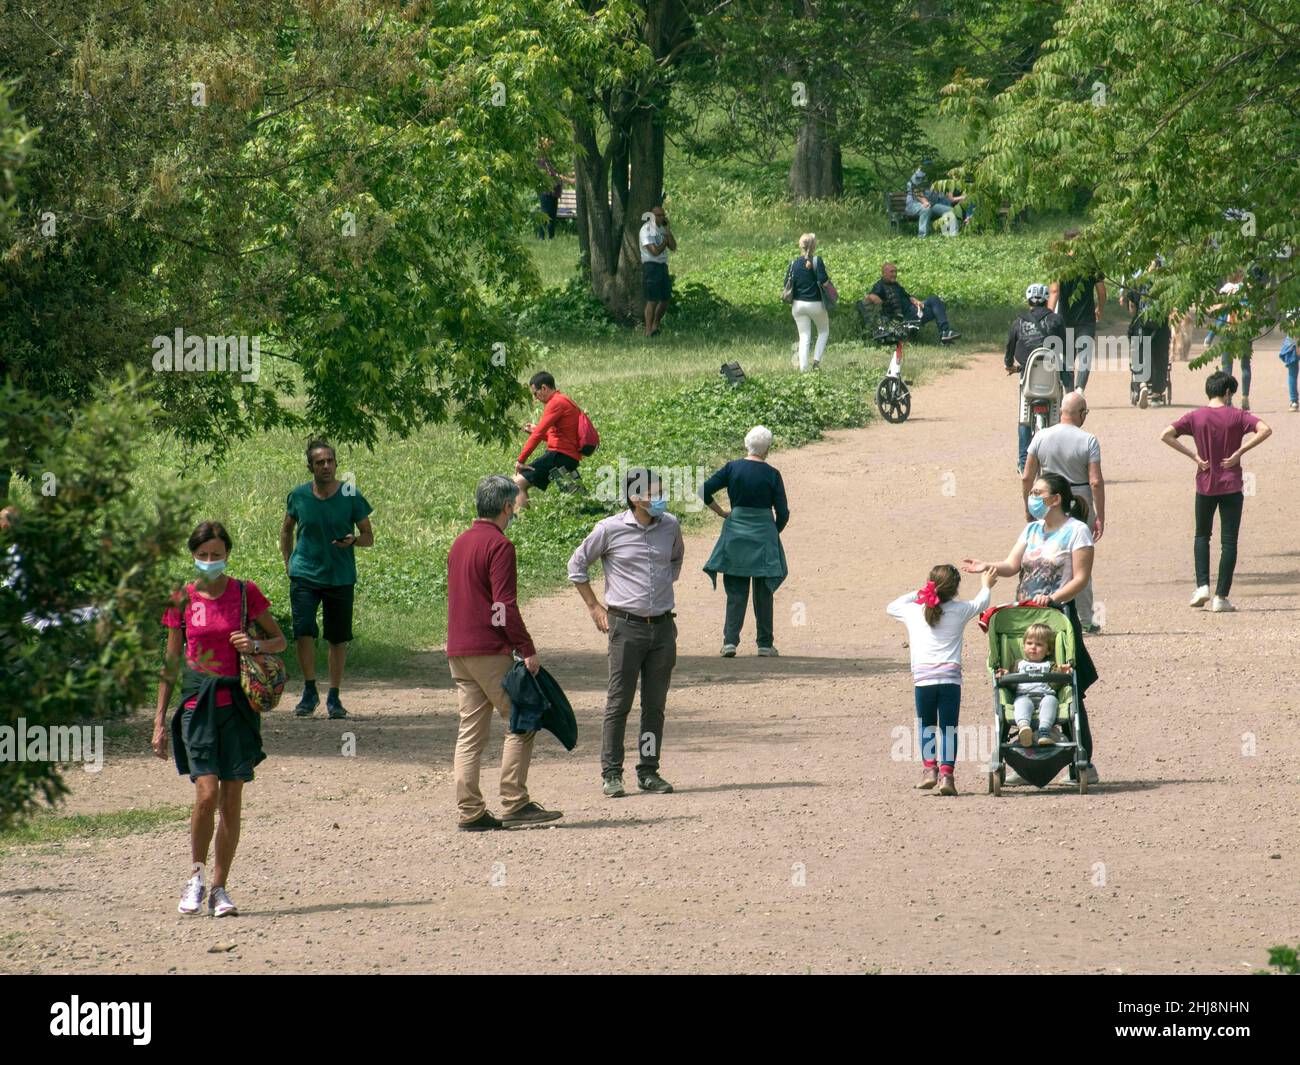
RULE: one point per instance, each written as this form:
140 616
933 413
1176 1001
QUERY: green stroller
1037 765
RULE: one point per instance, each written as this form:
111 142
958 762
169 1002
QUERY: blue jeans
935 310
941 701
1225 364
1292 366
1024 434
1078 363
924 214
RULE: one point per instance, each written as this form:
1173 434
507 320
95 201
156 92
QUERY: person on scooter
1031 330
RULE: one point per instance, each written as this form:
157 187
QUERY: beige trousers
478 683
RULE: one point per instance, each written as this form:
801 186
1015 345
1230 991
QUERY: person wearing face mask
641 551
1053 559
484 627
1066 448
216 734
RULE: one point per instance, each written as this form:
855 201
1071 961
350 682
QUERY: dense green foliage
1190 157
340 181
86 535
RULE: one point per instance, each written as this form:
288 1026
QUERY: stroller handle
1011 679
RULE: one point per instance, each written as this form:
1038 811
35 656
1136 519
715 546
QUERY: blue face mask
210 570
657 507
1037 506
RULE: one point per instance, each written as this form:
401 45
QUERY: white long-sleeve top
936 652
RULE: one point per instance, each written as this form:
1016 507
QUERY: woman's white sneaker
192 897
1201 596
219 904
1221 606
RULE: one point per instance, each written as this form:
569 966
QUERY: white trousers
805 313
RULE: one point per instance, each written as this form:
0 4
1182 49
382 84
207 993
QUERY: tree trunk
610 206
816 172
611 199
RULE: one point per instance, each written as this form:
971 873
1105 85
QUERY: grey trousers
637 649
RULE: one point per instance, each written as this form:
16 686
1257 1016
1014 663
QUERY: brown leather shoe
947 786
929 778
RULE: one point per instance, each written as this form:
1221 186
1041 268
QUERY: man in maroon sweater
483 626
559 428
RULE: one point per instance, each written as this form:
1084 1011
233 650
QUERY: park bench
568 207
899 220
896 211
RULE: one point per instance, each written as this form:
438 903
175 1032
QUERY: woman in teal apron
749 552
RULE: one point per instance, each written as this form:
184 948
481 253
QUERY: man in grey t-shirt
1065 448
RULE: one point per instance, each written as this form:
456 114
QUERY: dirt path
794 841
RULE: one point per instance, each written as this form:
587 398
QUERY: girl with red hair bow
934 634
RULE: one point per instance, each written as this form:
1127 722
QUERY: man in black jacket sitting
896 304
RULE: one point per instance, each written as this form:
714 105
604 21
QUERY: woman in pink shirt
1218 429
216 734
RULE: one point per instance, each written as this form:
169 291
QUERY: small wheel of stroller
1083 782
893 400
995 784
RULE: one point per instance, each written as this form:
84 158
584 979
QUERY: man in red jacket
559 428
483 626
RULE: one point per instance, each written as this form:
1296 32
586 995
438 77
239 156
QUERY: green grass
649 398
47 828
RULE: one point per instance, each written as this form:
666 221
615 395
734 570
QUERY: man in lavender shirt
1218 429
641 551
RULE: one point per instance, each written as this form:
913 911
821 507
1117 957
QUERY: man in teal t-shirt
322 569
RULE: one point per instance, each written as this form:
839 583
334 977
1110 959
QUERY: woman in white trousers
808 274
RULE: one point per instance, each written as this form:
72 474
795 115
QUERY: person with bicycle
1034 328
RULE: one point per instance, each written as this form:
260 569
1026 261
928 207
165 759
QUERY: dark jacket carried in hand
539 703
1031 331
198 731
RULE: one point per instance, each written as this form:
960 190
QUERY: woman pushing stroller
1053 558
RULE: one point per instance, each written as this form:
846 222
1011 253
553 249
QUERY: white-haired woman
748 551
805 278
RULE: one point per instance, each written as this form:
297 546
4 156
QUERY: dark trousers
1087 673
645 651
550 206
1229 508
935 310
737 601
937 707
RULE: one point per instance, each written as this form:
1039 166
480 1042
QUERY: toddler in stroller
1031 695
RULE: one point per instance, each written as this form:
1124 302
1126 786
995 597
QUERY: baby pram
1037 765
1149 337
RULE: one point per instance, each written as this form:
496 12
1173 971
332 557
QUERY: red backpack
588 438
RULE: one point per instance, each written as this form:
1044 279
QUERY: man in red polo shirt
483 626
559 428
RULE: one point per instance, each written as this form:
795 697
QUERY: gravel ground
794 841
